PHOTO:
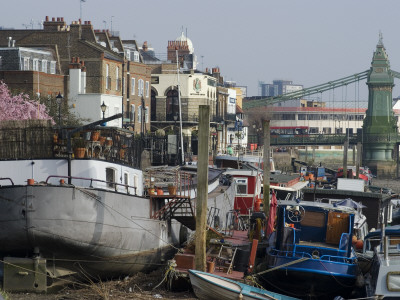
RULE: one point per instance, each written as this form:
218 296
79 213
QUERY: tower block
379 127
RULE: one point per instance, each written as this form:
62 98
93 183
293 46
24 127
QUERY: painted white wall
20 170
88 106
186 84
231 102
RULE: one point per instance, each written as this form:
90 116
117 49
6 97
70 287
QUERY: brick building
102 60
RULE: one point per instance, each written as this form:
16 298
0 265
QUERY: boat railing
314 255
7 178
112 184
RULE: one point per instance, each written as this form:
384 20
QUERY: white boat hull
92 226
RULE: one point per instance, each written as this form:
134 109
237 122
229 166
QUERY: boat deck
238 239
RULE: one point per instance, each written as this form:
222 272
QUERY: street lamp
59 98
177 140
103 108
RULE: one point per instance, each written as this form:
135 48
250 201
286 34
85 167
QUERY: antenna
80 12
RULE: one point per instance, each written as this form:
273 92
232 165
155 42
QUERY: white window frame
25 66
44 66
116 78
241 182
147 89
52 67
136 56
140 87
107 73
133 86
35 64
146 114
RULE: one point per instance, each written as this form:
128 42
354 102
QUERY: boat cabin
314 230
248 189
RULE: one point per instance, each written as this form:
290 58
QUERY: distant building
278 87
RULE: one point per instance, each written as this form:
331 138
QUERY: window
108 82
133 113
26 64
139 114
126 181
44 66
241 185
136 56
140 87
117 79
147 89
52 67
1 63
110 177
35 64
146 116
133 86
172 105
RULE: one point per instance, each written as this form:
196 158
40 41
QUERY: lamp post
59 98
177 140
103 108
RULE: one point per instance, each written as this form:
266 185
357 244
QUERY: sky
309 42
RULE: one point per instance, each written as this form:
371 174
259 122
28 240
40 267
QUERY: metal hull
98 231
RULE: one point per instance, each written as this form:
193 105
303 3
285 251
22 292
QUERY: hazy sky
308 42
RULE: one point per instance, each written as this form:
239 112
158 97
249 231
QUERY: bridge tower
379 127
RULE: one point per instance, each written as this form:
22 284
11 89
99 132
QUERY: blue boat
310 254
209 286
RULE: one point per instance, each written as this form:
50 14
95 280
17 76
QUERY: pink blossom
20 107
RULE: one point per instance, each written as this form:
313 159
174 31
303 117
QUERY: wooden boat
208 286
311 252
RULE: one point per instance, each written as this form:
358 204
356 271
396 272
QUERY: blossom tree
20 107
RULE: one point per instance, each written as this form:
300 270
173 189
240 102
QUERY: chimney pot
47 18
62 19
53 19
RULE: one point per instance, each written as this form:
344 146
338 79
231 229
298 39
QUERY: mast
180 110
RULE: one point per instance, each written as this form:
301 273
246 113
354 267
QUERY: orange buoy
31 181
359 244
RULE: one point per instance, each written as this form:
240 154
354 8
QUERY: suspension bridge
379 133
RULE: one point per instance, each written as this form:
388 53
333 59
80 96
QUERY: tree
20 107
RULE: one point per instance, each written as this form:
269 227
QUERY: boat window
110 177
241 185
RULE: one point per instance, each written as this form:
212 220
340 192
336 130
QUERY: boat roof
321 205
390 230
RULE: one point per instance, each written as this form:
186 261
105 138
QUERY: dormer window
135 56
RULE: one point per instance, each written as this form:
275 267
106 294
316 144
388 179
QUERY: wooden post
202 188
345 148
358 159
267 166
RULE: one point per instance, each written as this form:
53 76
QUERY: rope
282 266
170 270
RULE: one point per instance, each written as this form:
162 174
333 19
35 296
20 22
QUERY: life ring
315 254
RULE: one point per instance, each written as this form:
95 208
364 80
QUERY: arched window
172 105
153 106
